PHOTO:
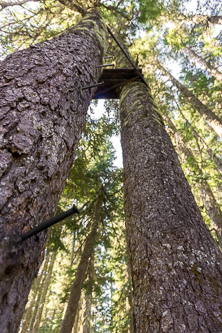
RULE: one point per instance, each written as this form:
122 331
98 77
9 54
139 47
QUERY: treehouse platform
113 80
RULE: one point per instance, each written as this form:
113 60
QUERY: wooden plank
114 79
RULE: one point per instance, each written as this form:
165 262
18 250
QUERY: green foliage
169 31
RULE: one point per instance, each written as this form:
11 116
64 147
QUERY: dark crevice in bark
175 263
42 132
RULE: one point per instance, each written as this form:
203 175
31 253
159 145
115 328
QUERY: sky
99 111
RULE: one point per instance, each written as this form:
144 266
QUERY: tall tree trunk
73 249
68 321
209 201
210 69
27 320
129 300
88 298
216 19
214 157
213 120
43 110
45 288
78 317
176 265
39 296
87 313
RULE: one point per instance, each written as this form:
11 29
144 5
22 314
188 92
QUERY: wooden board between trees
114 79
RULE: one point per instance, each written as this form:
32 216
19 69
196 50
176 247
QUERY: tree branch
73 6
9 4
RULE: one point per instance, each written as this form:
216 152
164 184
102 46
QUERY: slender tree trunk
46 310
45 288
214 157
78 317
176 265
27 320
209 201
68 321
87 313
210 69
213 19
39 296
43 110
213 120
88 298
129 300
73 249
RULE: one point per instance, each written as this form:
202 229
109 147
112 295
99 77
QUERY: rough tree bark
213 120
210 69
43 111
69 318
129 300
176 265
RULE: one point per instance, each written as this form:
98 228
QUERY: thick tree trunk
69 319
176 265
210 69
43 109
213 120
129 301
209 201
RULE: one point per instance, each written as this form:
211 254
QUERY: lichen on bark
176 265
42 115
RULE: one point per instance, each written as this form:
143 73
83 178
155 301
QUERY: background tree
185 31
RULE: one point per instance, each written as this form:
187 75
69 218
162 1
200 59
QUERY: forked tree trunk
176 265
71 310
43 110
213 120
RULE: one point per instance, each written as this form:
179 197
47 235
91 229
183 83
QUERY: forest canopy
178 46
